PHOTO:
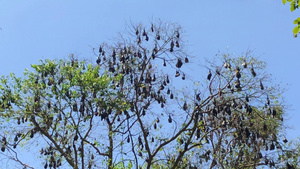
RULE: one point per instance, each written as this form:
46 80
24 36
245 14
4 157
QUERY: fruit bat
247 132
288 166
76 137
177 44
253 72
238 74
153 78
274 112
100 49
31 133
186 60
16 138
209 75
171 96
75 107
272 147
261 85
215 113
139 54
177 73
104 115
238 84
170 119
167 80
158 37
128 139
150 66
197 134
179 63
153 55
184 107
249 109
244 64
143 113
225 65
247 98
198 97
164 63
177 35
171 46
140 140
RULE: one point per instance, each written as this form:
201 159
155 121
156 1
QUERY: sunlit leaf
296 29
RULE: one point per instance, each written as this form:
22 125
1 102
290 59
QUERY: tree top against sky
32 30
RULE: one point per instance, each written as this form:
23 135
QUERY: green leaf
292 6
129 165
297 21
296 30
284 1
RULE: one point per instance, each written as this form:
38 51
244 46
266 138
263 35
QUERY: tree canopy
137 106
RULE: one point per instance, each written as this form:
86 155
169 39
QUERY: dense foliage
137 106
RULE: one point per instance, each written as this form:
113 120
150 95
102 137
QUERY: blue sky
36 29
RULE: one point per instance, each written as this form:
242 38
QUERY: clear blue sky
36 29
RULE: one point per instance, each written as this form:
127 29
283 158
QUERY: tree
294 5
132 108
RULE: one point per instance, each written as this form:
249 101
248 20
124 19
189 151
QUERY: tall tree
138 106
